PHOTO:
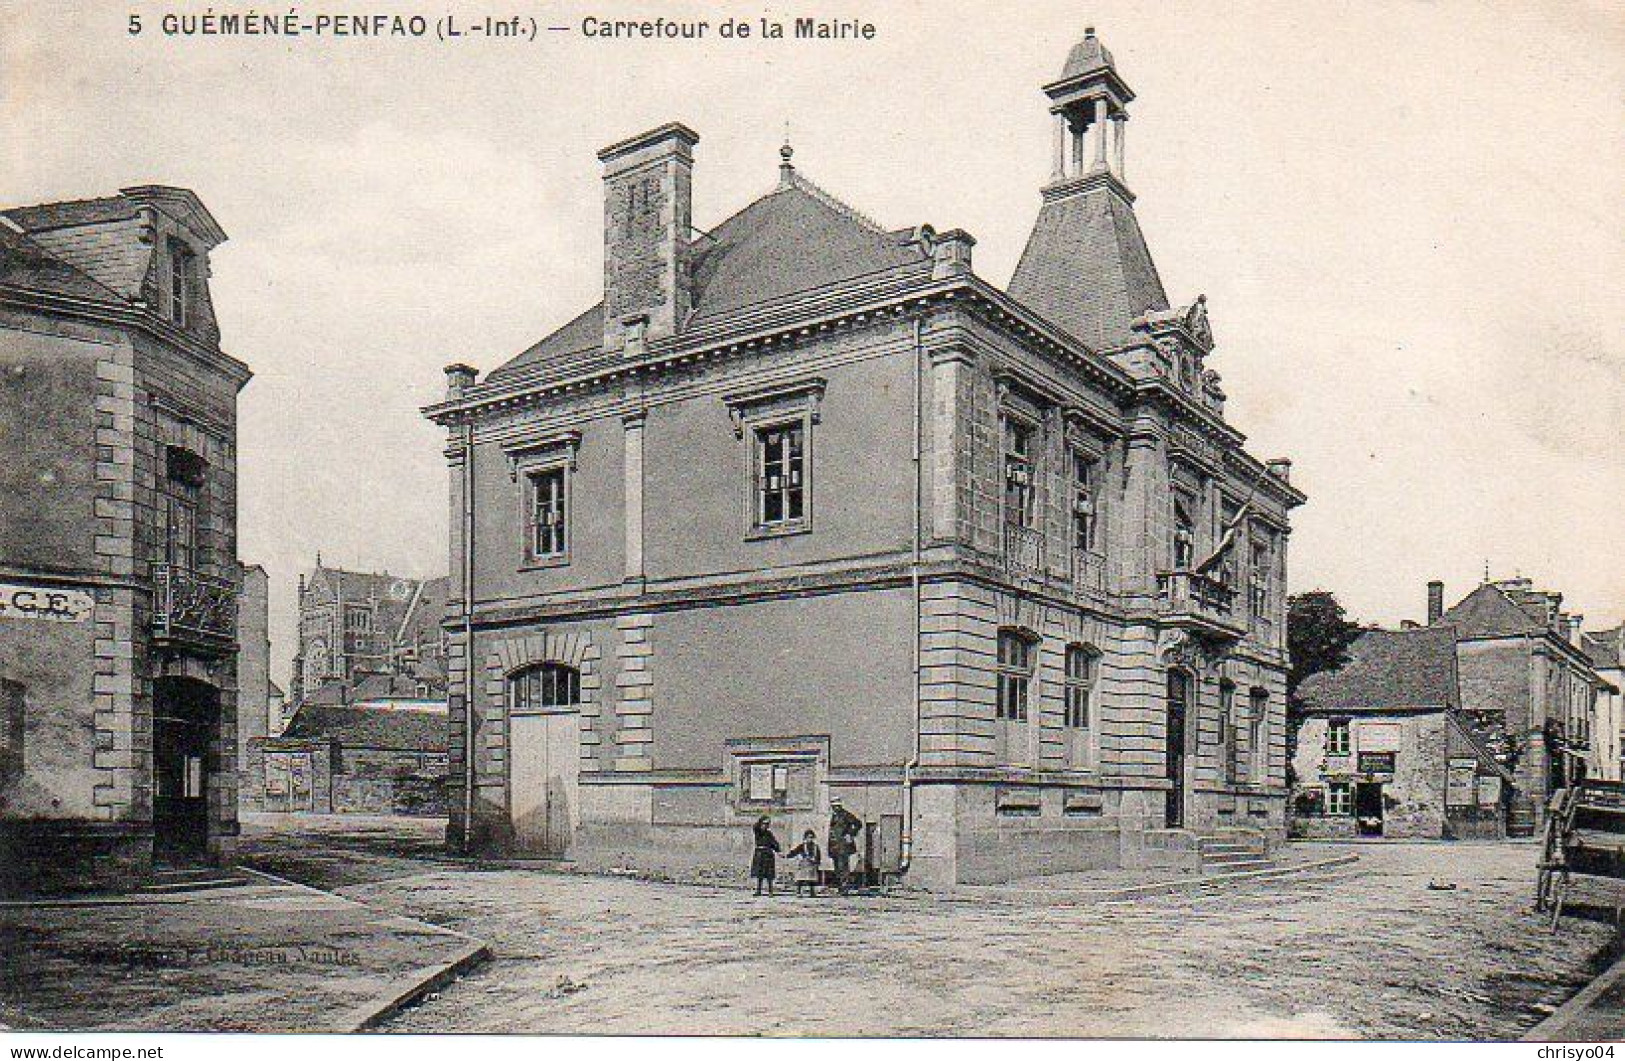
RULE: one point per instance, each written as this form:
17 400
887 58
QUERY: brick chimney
648 215
1435 601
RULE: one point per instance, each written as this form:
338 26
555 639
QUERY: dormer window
180 282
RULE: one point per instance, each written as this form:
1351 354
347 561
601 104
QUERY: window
1229 511
1259 584
1015 671
1083 502
1184 535
546 536
182 492
180 282
781 475
1337 736
357 619
1019 494
1259 735
1339 799
1227 730
547 687
1080 681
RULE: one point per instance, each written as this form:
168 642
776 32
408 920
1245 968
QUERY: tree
1318 635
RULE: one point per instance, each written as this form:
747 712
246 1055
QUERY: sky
1405 216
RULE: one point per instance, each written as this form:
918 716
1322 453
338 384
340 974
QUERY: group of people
844 830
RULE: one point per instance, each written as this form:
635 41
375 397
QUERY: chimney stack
648 215
1435 601
458 379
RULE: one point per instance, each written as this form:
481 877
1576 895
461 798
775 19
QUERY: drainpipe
907 854
468 636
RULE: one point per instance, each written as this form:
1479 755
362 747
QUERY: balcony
193 611
1088 571
1201 604
1023 551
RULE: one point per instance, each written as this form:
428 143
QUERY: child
764 859
808 858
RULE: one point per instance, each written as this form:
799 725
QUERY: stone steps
191 879
1241 853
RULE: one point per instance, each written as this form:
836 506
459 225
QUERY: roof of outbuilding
792 241
1389 670
361 726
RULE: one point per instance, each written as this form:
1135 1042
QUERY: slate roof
370 727
792 241
44 216
1389 670
24 263
1087 270
391 687
1488 612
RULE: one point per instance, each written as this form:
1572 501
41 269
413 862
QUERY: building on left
119 577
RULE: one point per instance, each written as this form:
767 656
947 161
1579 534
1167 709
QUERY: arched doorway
544 725
185 722
1178 708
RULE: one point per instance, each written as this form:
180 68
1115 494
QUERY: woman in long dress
764 863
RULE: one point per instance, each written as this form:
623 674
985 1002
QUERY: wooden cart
1585 835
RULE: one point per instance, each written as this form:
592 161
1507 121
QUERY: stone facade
119 410
255 708
862 526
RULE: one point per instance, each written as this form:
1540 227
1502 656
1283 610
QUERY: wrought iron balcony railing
193 609
1200 600
1024 551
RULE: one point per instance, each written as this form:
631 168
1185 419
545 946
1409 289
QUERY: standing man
844 829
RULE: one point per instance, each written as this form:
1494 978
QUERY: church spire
1086 266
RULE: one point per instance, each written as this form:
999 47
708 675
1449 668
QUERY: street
1367 950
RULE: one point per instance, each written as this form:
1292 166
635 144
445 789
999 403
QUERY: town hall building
806 510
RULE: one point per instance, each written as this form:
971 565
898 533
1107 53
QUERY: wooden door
543 782
184 720
1179 695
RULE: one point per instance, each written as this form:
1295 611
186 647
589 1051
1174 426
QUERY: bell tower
1089 105
1086 267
